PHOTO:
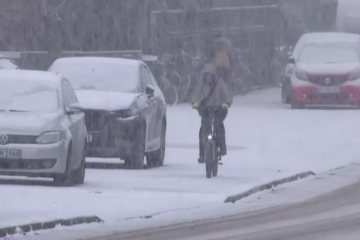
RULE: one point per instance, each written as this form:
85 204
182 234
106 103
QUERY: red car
326 74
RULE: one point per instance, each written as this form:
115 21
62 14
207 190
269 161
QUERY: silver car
42 132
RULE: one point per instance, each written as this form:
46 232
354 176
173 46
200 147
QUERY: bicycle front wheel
209 157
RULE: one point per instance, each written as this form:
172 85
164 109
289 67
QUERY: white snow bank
285 194
266 141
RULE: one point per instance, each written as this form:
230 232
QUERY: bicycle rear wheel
171 96
215 168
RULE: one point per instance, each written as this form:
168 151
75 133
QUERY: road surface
334 216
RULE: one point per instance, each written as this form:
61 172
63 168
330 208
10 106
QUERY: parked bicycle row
178 73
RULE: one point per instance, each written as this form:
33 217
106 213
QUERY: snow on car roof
122 61
325 37
30 75
330 37
101 73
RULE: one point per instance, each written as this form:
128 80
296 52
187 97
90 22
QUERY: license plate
328 89
13 154
89 138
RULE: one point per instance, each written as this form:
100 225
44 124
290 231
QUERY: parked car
320 38
124 107
6 63
41 134
327 73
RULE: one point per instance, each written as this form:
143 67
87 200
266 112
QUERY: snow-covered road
266 141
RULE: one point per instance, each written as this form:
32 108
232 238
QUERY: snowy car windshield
98 76
28 96
328 54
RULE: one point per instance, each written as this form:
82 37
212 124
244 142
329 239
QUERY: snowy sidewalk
266 141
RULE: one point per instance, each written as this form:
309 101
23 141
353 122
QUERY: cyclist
222 58
212 91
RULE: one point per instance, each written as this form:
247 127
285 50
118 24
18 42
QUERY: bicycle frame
211 153
210 132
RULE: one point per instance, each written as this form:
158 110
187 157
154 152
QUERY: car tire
79 174
137 156
65 179
296 105
285 94
156 158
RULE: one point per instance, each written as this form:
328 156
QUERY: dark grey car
124 107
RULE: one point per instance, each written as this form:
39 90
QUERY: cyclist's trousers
220 116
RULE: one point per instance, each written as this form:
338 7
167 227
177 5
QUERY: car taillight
301 74
353 75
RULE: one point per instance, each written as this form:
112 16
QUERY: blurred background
174 37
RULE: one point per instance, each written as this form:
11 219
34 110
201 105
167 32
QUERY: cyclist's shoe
223 150
201 160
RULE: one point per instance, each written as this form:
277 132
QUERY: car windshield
28 96
328 54
98 76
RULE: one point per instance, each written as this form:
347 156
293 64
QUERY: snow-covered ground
266 141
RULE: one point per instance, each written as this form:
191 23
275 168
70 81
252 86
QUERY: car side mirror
150 91
291 60
74 109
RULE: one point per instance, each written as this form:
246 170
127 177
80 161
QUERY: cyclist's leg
221 134
202 133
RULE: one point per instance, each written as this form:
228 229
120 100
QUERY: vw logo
4 139
327 81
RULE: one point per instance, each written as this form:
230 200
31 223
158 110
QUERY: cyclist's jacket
215 96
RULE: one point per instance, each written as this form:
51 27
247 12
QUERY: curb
234 198
23 229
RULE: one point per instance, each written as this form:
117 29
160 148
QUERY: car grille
329 96
328 80
21 139
30 164
94 120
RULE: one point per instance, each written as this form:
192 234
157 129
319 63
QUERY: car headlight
129 112
353 75
50 137
301 74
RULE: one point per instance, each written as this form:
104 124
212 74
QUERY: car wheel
65 179
79 175
156 158
285 94
296 105
138 151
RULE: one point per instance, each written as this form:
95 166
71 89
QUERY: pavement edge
23 229
267 186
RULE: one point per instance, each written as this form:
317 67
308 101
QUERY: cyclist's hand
225 106
195 105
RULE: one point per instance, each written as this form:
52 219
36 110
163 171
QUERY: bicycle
166 85
211 150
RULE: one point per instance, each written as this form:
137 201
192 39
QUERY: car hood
28 122
328 68
105 100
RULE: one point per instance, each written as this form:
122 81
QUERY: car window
328 53
69 94
145 79
97 75
28 96
149 74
